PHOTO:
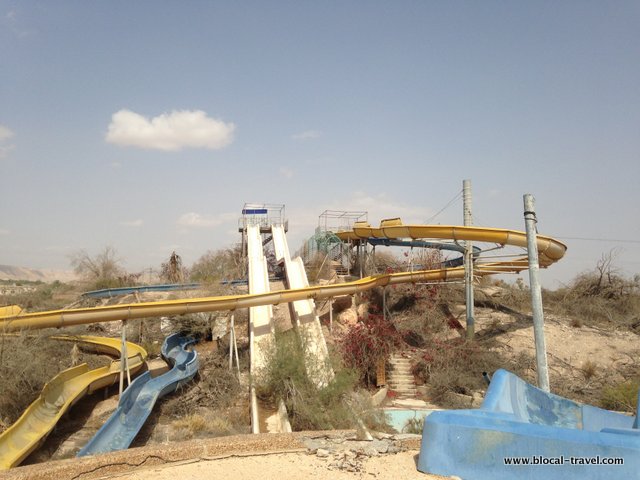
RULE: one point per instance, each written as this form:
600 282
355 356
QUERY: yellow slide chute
60 393
550 251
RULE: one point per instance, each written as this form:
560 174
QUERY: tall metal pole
536 292
468 259
331 314
124 358
384 303
231 340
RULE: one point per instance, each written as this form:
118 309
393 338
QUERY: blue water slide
139 398
114 292
454 262
523 432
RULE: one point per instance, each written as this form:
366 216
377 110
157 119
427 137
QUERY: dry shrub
589 369
27 362
366 343
319 267
198 425
516 296
309 406
454 367
621 397
223 264
38 296
387 262
600 296
414 425
194 423
103 270
215 386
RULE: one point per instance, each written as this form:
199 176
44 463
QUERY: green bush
309 406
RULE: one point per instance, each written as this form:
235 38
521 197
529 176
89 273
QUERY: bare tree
218 265
102 271
172 271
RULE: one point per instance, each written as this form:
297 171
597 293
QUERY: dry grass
621 397
27 362
38 296
200 425
589 369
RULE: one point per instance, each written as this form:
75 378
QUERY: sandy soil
287 466
264 456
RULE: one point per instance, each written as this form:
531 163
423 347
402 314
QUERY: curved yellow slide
550 251
58 395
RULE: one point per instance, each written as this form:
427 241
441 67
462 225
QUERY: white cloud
12 20
286 172
5 145
198 220
132 223
307 135
169 131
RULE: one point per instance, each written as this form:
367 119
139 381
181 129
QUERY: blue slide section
523 432
114 292
454 262
138 399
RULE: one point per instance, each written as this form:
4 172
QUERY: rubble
343 450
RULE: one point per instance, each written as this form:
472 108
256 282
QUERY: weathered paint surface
519 420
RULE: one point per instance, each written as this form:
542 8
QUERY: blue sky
147 125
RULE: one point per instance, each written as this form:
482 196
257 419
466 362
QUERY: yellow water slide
58 395
550 251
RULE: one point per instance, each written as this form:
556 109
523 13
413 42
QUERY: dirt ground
267 456
287 466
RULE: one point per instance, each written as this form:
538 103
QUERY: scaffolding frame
340 220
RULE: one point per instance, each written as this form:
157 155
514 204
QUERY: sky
146 126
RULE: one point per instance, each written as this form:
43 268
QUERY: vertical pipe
331 314
126 353
122 357
411 259
468 260
384 303
231 340
235 344
536 292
